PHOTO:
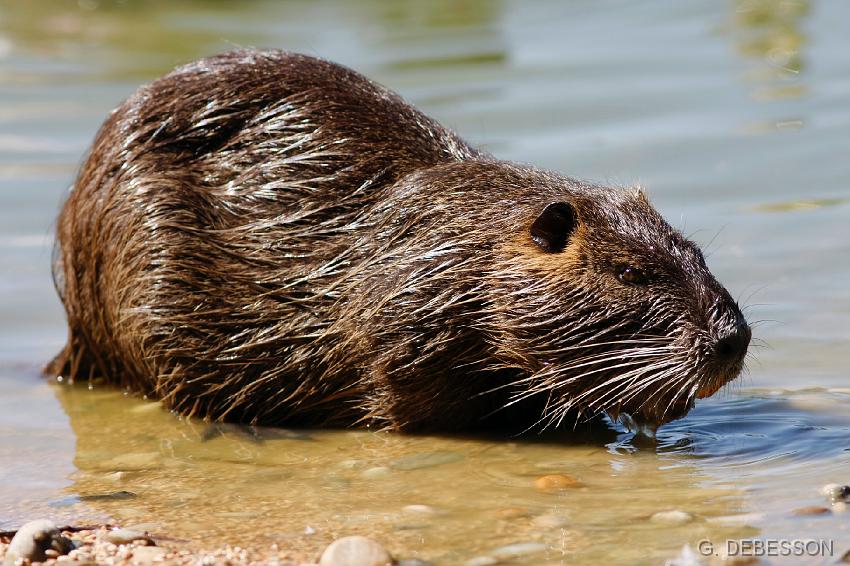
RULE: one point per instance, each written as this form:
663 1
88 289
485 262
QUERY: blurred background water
734 115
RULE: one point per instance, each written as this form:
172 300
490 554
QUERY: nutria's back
268 237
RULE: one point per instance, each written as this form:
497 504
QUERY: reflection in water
140 40
254 486
120 39
778 425
438 15
801 205
770 32
410 29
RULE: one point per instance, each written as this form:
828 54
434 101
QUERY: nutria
272 238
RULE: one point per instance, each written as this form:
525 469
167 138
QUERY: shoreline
42 542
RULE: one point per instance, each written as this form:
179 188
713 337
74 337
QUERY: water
735 117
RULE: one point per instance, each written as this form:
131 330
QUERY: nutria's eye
631 275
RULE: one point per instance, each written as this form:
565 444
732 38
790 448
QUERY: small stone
742 561
426 460
133 461
115 476
144 555
554 482
519 549
145 527
378 472
836 493
512 513
811 510
33 540
482 561
687 557
125 536
550 521
111 496
355 551
674 517
736 520
148 407
419 509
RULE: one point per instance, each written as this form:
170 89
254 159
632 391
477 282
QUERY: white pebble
520 549
674 517
355 551
836 492
737 520
550 521
377 472
420 509
33 539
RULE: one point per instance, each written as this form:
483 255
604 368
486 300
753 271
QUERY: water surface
735 117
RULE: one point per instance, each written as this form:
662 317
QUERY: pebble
420 509
519 549
125 536
687 557
550 521
554 482
425 460
115 476
512 513
112 496
741 560
378 472
355 551
33 539
737 520
674 517
148 407
482 561
811 510
133 461
836 493
148 554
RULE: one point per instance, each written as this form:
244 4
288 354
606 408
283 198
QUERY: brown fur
272 238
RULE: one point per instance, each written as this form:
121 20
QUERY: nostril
733 345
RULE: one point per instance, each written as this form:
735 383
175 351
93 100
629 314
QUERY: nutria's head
616 311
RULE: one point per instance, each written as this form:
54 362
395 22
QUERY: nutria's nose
732 345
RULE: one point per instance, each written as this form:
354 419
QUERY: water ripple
755 429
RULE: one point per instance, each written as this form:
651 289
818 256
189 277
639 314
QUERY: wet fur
271 238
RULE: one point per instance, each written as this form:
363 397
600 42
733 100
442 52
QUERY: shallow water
735 117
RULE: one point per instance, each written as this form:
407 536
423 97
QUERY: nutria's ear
552 229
